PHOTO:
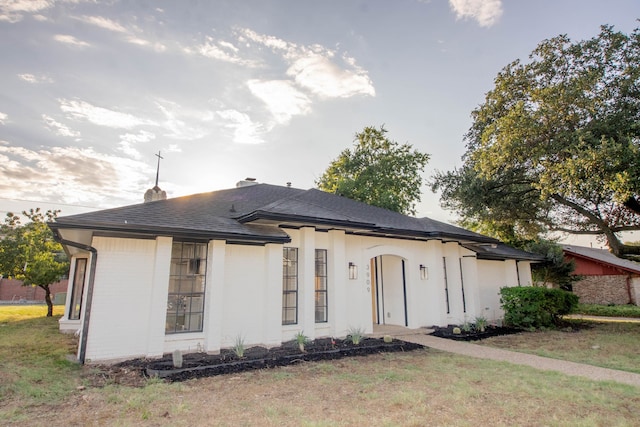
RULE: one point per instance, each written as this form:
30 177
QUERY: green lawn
33 356
609 345
627 310
38 386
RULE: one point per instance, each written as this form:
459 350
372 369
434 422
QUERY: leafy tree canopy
377 171
29 252
556 144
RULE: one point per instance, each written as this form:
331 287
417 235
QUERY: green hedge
626 310
535 307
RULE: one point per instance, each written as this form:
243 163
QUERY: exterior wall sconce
353 271
424 273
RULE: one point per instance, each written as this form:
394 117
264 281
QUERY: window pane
290 283
321 283
171 323
289 316
198 284
197 303
78 288
178 267
188 251
321 314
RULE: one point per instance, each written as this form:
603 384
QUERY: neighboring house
606 279
12 290
261 263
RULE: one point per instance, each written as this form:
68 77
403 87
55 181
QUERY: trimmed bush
535 307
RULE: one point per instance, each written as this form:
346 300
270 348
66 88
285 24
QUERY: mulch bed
490 331
198 365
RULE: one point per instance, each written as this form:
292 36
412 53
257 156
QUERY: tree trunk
47 298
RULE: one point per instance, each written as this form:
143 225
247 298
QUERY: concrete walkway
420 336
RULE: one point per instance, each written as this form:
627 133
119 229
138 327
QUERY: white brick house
264 262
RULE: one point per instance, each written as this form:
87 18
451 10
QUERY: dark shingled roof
501 252
254 213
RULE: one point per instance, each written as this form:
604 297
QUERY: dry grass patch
423 387
609 345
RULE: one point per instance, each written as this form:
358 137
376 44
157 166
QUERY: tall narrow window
464 300
290 286
185 302
446 284
75 304
321 286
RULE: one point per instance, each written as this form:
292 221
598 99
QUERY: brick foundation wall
12 290
602 290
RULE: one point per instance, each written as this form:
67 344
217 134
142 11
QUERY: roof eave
132 230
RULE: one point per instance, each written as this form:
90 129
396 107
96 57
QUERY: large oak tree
377 171
555 146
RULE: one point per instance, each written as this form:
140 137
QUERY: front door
389 290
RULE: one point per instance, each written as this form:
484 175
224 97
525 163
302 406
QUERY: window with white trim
290 286
75 304
321 286
187 284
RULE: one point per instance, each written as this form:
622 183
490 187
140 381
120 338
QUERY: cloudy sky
227 89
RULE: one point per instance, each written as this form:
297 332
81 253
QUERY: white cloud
59 128
14 10
281 97
31 78
71 175
101 116
103 23
268 41
129 36
65 38
3 118
485 12
183 123
244 130
317 73
316 69
129 140
158 47
220 50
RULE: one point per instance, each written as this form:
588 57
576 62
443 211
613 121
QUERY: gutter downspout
87 310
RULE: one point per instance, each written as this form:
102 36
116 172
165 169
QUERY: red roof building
607 279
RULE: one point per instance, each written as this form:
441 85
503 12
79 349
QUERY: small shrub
356 335
239 348
480 323
467 327
535 307
387 339
456 331
301 339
